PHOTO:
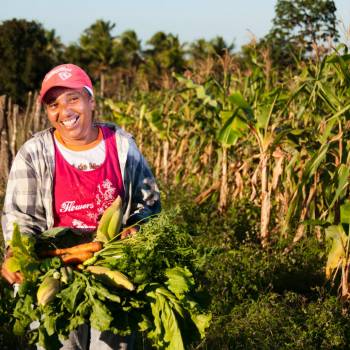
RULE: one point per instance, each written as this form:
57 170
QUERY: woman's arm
23 203
141 188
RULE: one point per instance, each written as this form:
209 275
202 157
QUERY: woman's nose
65 111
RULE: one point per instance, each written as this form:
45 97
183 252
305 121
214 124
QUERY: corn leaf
337 255
232 131
345 213
342 177
238 100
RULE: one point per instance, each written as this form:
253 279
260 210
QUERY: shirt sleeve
23 204
142 190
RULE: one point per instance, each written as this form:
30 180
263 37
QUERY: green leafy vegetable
157 260
24 257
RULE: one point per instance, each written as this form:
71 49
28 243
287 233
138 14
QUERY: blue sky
234 20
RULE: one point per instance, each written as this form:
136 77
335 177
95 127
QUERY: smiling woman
69 174
67 94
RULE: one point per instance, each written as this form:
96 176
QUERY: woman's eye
74 99
52 105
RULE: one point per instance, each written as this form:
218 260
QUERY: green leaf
310 168
225 115
103 293
263 117
166 333
337 254
24 314
100 317
324 136
345 212
84 307
201 94
13 264
180 280
155 120
172 335
55 232
19 328
232 131
16 241
237 99
202 322
70 296
23 249
48 342
145 324
50 323
75 322
342 177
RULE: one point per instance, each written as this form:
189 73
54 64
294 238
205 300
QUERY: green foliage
163 305
25 57
202 49
259 299
245 272
274 298
164 55
24 258
298 26
97 42
288 321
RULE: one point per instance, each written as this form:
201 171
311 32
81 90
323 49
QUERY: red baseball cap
65 75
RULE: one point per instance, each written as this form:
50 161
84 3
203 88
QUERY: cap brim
70 85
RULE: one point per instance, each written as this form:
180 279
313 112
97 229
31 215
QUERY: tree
166 53
55 47
202 49
299 26
73 53
25 57
97 42
128 49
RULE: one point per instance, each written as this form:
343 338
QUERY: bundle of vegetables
142 283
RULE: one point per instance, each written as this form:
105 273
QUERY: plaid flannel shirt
29 193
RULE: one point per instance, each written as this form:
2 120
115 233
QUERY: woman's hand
129 232
10 277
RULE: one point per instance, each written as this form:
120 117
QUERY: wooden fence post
4 146
17 125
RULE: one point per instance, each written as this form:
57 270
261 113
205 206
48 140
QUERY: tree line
299 30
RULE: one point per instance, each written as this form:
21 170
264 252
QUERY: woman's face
70 113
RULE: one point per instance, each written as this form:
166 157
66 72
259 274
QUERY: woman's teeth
70 122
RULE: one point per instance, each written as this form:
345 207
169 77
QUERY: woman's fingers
19 277
10 277
129 232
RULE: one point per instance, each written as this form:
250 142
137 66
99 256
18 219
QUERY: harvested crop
110 222
142 283
114 277
77 258
48 289
77 249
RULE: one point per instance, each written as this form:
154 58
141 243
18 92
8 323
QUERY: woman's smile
71 122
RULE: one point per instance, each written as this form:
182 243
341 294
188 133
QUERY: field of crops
253 164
